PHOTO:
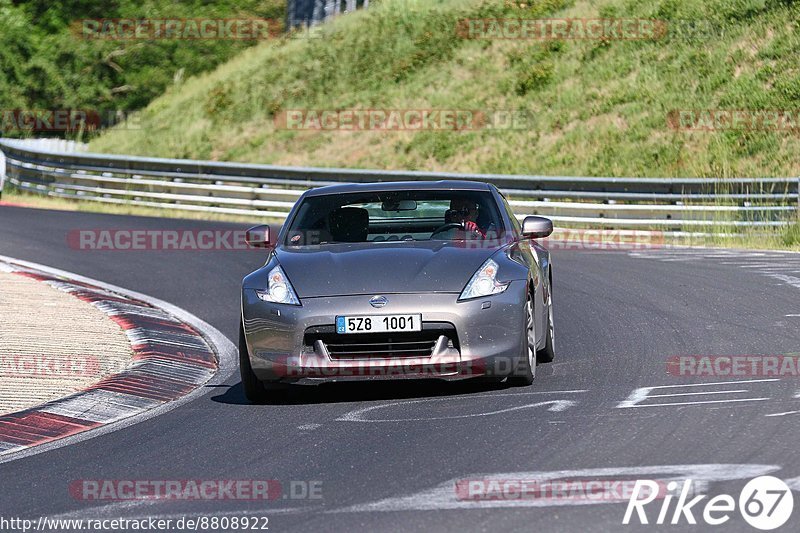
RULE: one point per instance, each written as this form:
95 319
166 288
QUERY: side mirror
257 237
536 227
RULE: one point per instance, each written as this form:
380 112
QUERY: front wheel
548 353
525 373
253 388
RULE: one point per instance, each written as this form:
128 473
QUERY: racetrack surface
619 318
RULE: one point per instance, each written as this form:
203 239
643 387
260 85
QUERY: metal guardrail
677 204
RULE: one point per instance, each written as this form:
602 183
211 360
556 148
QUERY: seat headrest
451 215
349 224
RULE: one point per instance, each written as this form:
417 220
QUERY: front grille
389 347
381 345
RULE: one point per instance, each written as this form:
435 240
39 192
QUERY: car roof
442 185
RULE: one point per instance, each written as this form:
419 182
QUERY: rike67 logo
765 503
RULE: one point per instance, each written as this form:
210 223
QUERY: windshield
395 216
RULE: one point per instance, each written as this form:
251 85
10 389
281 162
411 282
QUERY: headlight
484 282
279 290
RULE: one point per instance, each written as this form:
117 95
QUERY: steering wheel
447 227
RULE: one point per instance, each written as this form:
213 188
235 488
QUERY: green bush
791 237
532 67
48 64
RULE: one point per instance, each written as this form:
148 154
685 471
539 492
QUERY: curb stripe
99 406
182 372
125 309
127 323
141 337
29 428
157 389
9 447
170 360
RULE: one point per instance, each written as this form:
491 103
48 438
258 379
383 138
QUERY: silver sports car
403 280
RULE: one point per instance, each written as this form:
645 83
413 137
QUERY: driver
465 212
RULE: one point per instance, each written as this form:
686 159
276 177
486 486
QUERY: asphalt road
619 318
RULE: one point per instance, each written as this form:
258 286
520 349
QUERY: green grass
599 107
791 237
787 239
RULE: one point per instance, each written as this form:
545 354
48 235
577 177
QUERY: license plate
378 323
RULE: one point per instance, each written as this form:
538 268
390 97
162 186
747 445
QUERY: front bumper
490 337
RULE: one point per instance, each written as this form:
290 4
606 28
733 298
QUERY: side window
516 226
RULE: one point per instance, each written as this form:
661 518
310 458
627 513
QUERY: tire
254 390
525 373
548 353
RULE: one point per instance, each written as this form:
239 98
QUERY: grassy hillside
600 107
46 63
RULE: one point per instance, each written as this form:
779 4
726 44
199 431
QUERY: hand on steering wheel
473 227
466 226
446 227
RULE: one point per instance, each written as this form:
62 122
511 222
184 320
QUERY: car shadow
345 392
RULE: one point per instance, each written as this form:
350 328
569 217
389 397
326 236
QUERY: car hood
378 268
